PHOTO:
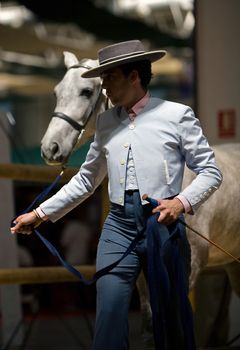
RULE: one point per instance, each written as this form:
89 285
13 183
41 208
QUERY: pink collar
138 107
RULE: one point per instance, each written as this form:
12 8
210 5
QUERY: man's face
119 88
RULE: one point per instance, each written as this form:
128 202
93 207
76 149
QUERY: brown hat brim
151 56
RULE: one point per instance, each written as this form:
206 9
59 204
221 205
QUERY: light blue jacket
163 137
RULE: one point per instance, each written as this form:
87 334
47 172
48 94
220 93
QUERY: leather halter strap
68 119
77 126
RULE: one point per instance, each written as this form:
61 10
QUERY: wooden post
35 173
46 274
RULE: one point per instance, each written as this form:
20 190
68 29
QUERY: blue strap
44 193
40 197
171 310
55 252
74 271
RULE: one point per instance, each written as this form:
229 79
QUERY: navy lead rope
171 311
55 252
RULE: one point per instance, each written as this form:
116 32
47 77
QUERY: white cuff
41 214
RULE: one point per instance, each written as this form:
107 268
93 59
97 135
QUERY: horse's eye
86 92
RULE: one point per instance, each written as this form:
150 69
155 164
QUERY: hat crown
120 50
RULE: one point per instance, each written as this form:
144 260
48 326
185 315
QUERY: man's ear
134 77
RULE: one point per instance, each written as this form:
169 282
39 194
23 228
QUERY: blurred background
201 69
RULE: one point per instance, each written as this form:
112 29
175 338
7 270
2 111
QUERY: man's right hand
25 223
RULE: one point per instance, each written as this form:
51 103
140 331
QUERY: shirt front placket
131 179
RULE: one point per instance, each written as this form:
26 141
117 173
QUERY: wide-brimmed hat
121 53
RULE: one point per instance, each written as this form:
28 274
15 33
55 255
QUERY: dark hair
142 67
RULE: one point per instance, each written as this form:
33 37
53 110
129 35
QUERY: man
142 143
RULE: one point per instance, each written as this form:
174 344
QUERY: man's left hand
169 209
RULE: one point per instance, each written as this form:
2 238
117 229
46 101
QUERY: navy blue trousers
115 289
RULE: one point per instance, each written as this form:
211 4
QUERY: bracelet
36 213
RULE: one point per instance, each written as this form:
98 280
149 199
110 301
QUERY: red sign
227 123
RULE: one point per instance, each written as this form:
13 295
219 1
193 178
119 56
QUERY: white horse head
78 102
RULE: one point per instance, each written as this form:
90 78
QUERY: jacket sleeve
200 159
81 186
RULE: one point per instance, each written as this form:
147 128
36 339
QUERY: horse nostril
51 153
54 148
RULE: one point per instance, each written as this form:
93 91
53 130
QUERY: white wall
218 85
218 68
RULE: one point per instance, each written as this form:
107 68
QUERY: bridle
77 126
80 127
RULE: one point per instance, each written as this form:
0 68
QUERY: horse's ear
70 59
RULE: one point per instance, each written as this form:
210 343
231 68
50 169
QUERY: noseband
77 126
69 120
